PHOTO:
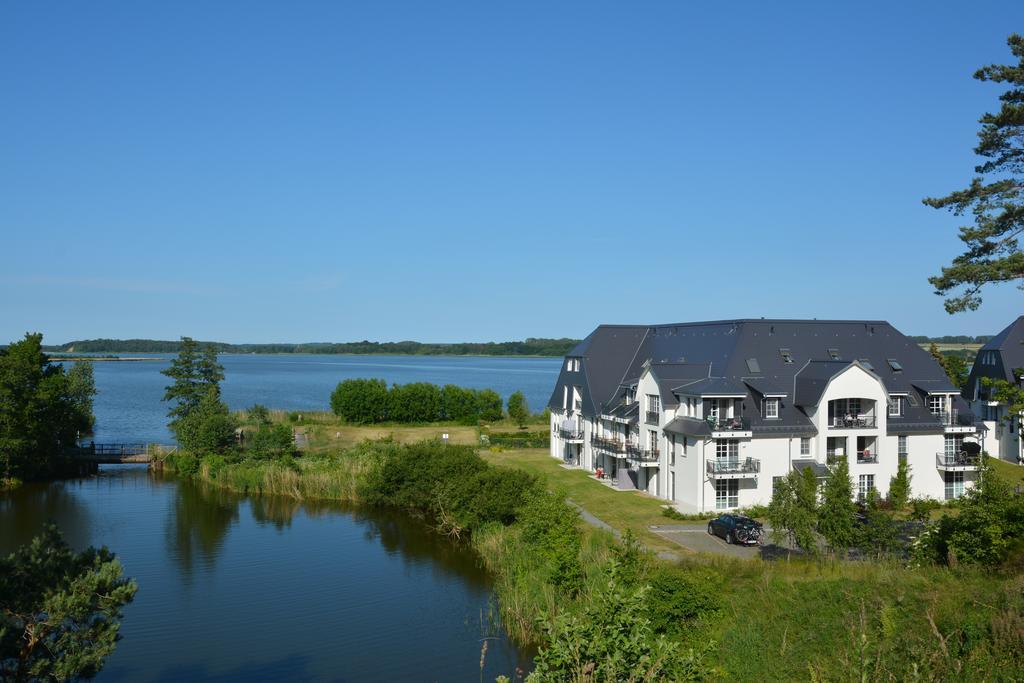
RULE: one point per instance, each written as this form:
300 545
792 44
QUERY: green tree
415 402
207 428
81 390
361 401
489 405
879 534
42 410
994 199
793 511
518 409
259 414
60 610
459 404
195 372
272 441
899 486
837 510
955 367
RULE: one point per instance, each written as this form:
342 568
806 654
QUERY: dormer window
936 404
770 408
834 354
572 364
895 406
787 357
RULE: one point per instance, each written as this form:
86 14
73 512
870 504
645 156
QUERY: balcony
958 462
652 417
571 435
852 422
646 456
616 446
953 421
863 458
725 427
733 468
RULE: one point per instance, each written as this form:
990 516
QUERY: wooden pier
117 453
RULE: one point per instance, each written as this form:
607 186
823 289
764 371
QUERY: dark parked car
736 529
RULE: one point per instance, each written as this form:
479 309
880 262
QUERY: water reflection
198 523
32 505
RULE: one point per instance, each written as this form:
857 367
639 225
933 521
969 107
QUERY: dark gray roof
810 381
720 350
820 471
688 426
766 387
998 358
711 386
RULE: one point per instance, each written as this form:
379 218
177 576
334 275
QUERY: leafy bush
258 414
679 596
458 404
989 524
272 441
207 428
489 405
415 402
362 401
550 526
613 640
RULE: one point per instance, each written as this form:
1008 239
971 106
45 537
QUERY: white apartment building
1001 358
710 415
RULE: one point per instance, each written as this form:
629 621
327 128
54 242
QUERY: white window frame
865 484
902 444
805 445
895 406
953 485
727 494
653 403
714 408
936 404
770 408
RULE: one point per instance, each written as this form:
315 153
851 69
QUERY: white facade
731 466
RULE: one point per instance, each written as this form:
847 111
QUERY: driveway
697 539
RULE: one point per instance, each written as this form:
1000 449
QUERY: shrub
361 401
416 402
489 405
550 526
272 441
899 487
518 409
207 428
679 596
459 404
258 415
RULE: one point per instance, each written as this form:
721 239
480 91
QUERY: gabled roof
998 358
795 358
711 387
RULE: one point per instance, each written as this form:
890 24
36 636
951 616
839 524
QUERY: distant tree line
528 347
368 401
952 339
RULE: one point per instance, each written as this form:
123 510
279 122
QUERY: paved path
593 520
697 539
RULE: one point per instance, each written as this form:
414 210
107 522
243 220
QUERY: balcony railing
652 417
728 424
953 418
571 434
867 457
852 421
616 446
733 466
647 455
863 458
958 461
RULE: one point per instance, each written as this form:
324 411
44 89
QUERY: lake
129 410
233 588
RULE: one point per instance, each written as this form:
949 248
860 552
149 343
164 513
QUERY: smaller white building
1002 358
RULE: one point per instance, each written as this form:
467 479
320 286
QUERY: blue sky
249 171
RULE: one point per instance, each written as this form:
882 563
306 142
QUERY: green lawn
621 509
1014 474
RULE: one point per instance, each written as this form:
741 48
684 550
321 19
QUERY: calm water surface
241 589
128 406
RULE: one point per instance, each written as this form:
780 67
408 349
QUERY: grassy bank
747 620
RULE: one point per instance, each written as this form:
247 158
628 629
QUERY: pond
236 588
